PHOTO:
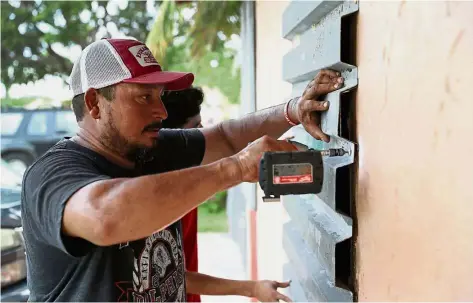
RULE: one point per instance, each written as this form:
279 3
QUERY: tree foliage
168 26
185 36
33 33
198 43
214 23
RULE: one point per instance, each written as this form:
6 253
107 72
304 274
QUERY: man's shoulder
176 149
179 139
61 152
179 134
63 156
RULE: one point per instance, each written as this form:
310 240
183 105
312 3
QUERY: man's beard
122 146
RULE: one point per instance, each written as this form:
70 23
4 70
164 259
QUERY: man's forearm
269 121
201 284
120 210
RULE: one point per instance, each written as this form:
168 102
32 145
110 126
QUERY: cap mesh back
76 84
100 67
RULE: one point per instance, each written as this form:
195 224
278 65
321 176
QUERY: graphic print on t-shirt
158 268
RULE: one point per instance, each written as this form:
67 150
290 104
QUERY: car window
10 123
38 125
9 196
66 122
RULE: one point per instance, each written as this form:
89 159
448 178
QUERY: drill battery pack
290 173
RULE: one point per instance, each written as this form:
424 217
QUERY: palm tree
162 34
191 36
212 23
210 19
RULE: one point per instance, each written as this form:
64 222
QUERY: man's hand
249 158
266 291
308 107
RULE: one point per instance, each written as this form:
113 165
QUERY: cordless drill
293 173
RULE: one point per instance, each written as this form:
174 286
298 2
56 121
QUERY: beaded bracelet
286 115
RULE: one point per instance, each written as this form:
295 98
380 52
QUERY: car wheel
18 162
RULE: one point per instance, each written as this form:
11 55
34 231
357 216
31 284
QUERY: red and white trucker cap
111 61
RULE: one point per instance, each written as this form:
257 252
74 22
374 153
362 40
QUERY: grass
211 222
23 101
16 102
212 215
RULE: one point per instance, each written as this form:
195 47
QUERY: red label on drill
292 179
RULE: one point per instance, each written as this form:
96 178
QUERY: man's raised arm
229 137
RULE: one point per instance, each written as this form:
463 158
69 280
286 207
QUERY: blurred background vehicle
14 287
27 134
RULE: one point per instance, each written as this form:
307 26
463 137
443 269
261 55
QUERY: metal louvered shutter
318 237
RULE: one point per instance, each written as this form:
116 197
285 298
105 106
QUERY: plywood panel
415 131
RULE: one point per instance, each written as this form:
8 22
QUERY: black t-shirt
62 268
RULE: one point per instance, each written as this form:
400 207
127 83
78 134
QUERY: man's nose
159 111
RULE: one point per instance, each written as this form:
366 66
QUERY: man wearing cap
101 210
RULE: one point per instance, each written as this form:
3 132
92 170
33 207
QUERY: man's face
131 121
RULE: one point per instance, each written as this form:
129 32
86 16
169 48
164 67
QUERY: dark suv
14 286
27 134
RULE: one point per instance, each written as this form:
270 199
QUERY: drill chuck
333 152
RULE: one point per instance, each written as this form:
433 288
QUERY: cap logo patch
143 55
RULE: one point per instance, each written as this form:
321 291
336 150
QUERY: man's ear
91 99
